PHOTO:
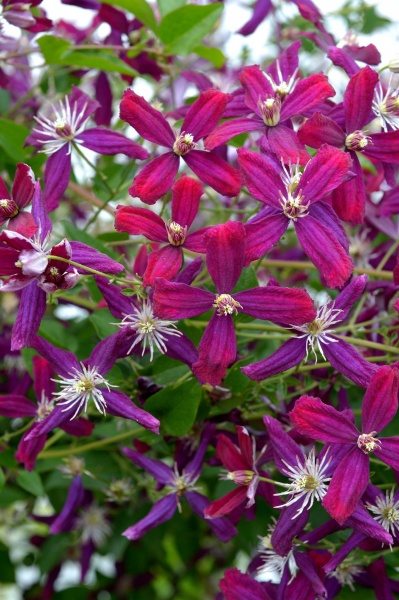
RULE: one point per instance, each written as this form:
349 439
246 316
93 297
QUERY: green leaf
12 139
213 55
166 6
372 20
183 29
52 48
2 479
102 320
176 408
247 280
74 233
139 8
30 482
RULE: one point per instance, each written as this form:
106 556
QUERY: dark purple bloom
182 482
225 246
317 420
202 117
12 205
67 126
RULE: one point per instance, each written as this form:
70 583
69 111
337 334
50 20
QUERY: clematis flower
12 205
167 260
241 466
275 96
294 197
225 253
319 335
240 586
319 421
18 14
16 405
84 382
349 199
55 136
181 481
158 176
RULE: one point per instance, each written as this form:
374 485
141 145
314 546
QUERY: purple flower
67 126
225 254
294 197
319 421
158 176
84 382
182 482
319 335
12 205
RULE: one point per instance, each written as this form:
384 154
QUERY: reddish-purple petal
164 262
159 470
119 405
106 141
347 485
256 86
24 224
231 456
239 586
263 232
180 301
140 221
320 421
286 145
380 402
349 199
13 406
229 129
32 307
358 99
389 452
215 172
156 178
326 253
4 193
216 351
186 194
24 186
319 130
222 527
384 147
62 361
288 355
261 177
325 171
225 253
162 511
205 113
147 121
308 93
346 360
286 306
56 177
227 503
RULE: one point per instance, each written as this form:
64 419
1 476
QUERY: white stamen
66 126
317 332
387 512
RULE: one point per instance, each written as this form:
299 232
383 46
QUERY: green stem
298 264
368 344
8 436
91 446
100 175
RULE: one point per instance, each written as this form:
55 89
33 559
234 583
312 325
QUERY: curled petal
162 511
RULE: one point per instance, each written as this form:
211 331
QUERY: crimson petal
217 350
205 113
380 402
288 355
156 178
225 254
215 172
146 120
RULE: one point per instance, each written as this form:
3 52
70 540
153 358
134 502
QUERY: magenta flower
202 117
240 586
167 260
84 382
319 421
17 406
181 481
241 464
225 254
349 199
294 197
275 96
319 335
12 205
67 126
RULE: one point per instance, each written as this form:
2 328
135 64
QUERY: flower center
176 233
44 408
357 141
8 209
367 443
240 477
293 206
226 305
270 110
183 144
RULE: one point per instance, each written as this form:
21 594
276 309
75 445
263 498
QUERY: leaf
12 139
176 408
2 479
183 29
30 482
166 6
52 48
213 55
139 8
73 233
247 280
102 320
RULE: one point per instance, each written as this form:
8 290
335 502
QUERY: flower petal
349 199
164 262
389 452
140 221
263 232
106 141
216 351
186 194
256 86
308 93
347 485
286 145
221 527
156 178
14 405
230 129
32 307
239 586
324 172
205 113
320 421
261 177
119 405
159 470
226 504
319 130
215 172
147 121
358 99
24 185
285 306
288 355
162 511
346 360
380 402
57 173
180 301
225 253
62 361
